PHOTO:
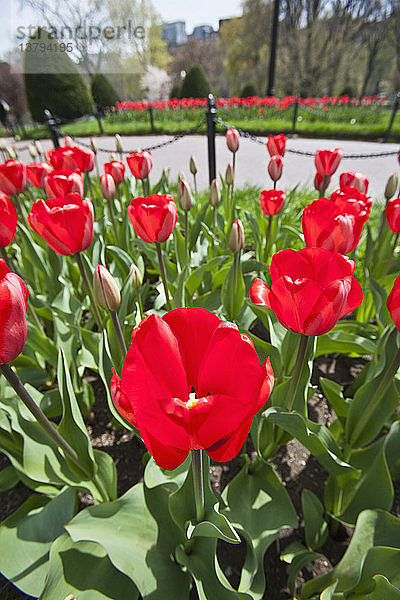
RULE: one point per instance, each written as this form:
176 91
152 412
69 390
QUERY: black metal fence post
295 109
53 129
211 114
150 109
392 116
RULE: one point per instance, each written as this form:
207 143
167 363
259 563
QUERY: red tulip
191 381
327 161
327 226
107 186
154 217
140 164
272 201
354 179
71 157
8 221
12 177
352 196
311 289
393 302
320 184
275 167
393 214
36 172
63 182
116 169
232 139
66 224
276 145
13 304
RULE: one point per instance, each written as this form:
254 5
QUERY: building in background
204 32
175 33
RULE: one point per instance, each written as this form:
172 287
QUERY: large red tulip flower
8 221
191 381
327 161
140 164
393 214
36 172
154 217
393 302
311 289
13 304
276 145
62 182
66 224
12 177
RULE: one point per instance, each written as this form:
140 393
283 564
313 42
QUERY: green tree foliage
103 92
53 81
176 91
195 84
249 89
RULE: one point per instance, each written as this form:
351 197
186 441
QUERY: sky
198 12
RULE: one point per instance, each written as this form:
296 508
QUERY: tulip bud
32 150
185 198
107 186
232 140
391 186
68 140
93 145
118 144
2 144
192 165
275 167
112 157
38 147
236 238
11 152
229 175
214 195
137 279
106 289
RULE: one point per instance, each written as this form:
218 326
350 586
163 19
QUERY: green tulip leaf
84 570
171 480
315 526
297 557
9 477
26 537
373 528
139 537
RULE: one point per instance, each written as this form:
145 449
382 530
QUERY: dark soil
293 463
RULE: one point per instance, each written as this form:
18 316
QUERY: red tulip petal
167 457
227 448
260 293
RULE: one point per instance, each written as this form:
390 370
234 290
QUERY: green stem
195 185
186 237
267 243
198 483
118 331
377 397
389 261
112 217
325 185
39 415
20 212
90 187
163 275
139 303
95 310
144 188
298 367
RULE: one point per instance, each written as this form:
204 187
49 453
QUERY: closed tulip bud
214 197
236 238
106 289
391 186
2 144
107 186
232 140
118 144
137 279
32 150
112 157
38 147
185 198
229 175
68 140
192 165
93 145
11 152
275 167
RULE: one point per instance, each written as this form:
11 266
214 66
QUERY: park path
252 159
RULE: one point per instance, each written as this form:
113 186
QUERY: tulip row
184 370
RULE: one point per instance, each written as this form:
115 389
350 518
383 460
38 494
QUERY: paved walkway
252 160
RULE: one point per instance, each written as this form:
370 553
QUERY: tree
195 84
156 84
12 90
103 92
54 82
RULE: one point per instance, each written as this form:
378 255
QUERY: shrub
103 92
195 84
53 81
248 90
